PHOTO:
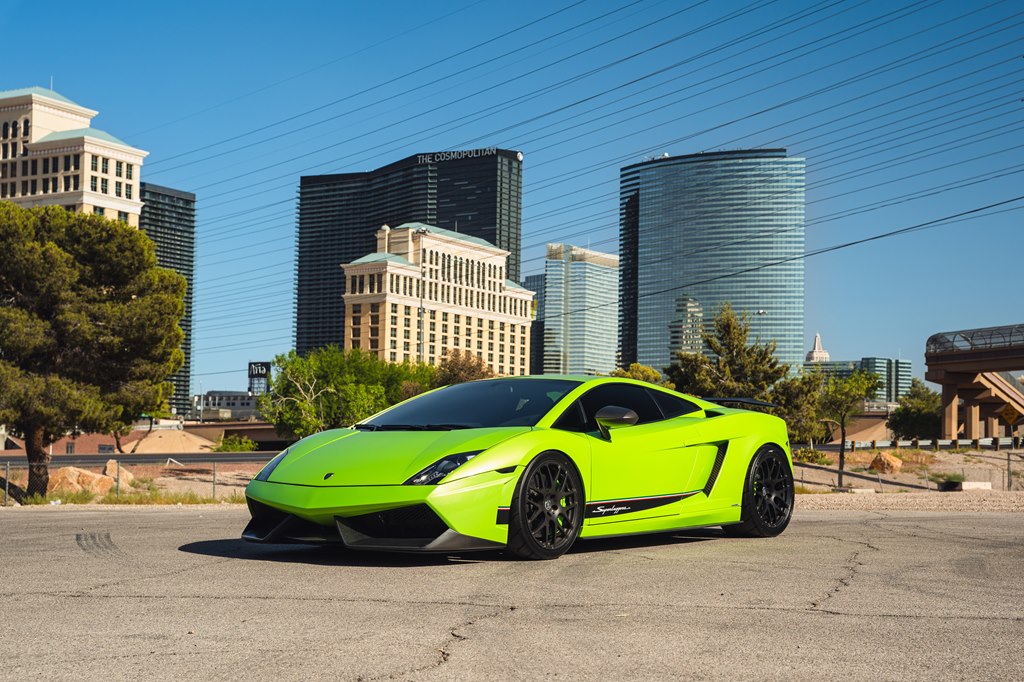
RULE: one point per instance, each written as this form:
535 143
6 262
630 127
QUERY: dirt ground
919 470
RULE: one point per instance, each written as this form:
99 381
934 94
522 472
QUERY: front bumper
458 516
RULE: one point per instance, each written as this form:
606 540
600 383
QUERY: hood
378 457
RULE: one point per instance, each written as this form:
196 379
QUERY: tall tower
169 218
476 192
699 225
581 305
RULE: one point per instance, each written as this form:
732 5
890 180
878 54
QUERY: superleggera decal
605 508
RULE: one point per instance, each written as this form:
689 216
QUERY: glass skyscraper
476 192
579 308
696 232
169 218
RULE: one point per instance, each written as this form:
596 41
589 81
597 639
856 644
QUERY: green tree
88 327
460 366
919 414
327 389
643 373
235 443
843 399
798 401
734 369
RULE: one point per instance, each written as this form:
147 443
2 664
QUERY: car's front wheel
767 496
547 509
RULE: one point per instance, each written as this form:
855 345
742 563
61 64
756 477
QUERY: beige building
449 285
49 156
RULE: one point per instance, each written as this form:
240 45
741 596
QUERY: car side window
630 396
571 419
672 406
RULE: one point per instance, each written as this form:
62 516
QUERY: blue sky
905 111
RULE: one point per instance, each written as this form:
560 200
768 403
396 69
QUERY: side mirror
614 417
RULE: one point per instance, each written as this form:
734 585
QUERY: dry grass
163 497
804 490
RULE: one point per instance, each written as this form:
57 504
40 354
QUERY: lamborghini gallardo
531 465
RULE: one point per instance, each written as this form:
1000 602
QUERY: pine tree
89 327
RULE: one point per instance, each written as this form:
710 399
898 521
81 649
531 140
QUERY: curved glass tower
693 232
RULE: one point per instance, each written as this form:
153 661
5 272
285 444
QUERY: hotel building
50 156
427 290
474 192
694 233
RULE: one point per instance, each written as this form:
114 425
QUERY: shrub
810 456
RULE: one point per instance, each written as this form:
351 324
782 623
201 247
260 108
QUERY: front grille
418 521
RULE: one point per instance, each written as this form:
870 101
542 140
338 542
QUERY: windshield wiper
366 427
414 427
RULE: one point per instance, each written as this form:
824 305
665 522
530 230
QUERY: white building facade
50 156
427 290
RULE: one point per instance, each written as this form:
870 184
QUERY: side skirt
663 524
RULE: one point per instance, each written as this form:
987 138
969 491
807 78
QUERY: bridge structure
974 367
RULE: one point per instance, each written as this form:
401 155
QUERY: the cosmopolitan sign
456 155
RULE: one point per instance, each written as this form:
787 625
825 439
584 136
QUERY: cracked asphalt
169 593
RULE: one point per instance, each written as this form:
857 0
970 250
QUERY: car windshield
476 404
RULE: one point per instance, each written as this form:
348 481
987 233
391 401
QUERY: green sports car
528 464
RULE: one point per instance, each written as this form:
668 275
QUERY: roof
380 258
82 132
36 90
509 284
441 232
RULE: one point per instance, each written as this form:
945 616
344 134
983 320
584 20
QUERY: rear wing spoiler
741 401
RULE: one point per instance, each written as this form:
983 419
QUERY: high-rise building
168 217
50 156
425 291
475 192
686 330
580 307
698 227
535 283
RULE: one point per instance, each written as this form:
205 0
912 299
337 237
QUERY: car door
639 470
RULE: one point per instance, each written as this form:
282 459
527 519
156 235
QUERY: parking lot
168 593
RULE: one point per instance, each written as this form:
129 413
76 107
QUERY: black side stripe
716 468
606 508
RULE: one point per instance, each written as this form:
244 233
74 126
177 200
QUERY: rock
884 463
73 480
111 470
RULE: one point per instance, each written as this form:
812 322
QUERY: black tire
767 496
547 508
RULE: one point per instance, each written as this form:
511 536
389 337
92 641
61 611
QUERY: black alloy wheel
547 509
767 496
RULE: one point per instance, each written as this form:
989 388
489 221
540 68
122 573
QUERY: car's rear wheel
767 496
547 508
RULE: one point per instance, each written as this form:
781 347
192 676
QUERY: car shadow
646 541
330 555
236 548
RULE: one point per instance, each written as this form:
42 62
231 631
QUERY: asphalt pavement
172 593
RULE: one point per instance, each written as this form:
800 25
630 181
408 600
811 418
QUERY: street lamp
759 314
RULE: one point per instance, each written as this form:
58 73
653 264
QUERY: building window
98 210
122 216
67 183
118 168
117 188
35 166
106 165
128 191
26 126
46 165
104 186
94 163
74 182
69 447
128 172
77 161
67 162
92 183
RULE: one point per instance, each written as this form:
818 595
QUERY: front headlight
265 472
433 474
